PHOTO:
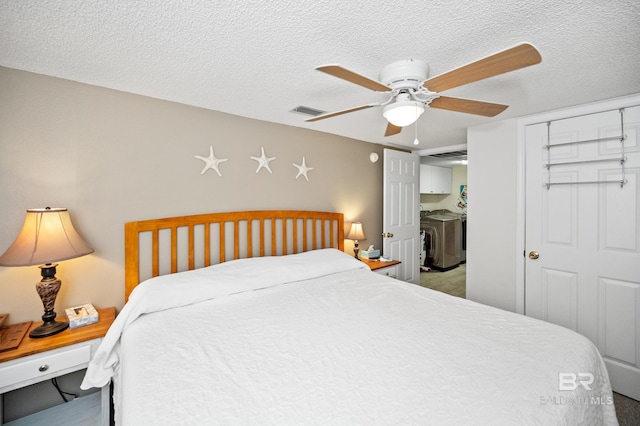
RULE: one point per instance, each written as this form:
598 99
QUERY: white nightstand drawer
390 271
44 364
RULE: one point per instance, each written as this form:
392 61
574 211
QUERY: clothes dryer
442 236
463 228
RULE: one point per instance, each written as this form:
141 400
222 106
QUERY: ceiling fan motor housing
409 73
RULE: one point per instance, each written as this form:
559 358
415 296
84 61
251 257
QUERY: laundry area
443 225
443 251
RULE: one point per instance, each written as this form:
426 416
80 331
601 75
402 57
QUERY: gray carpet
627 410
452 282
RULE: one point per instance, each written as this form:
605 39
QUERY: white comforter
316 338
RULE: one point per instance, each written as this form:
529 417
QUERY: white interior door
401 212
587 234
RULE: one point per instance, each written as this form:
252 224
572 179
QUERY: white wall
492 210
495 236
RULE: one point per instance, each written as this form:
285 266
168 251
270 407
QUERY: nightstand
37 360
389 269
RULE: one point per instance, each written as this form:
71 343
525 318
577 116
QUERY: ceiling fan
410 91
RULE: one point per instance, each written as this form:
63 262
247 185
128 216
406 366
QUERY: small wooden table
389 269
37 360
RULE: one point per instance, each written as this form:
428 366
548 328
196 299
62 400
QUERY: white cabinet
435 179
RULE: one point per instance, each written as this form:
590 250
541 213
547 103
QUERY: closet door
582 268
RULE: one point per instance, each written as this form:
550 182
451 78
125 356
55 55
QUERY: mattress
317 338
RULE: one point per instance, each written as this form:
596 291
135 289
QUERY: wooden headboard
168 245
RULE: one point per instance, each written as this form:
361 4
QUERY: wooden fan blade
520 56
392 130
468 106
344 111
353 77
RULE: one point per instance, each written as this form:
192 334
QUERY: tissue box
81 315
370 254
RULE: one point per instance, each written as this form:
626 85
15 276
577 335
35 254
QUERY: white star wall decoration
303 169
211 162
263 161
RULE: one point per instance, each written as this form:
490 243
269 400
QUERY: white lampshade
403 113
47 236
356 232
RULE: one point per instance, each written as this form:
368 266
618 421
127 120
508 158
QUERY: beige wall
112 157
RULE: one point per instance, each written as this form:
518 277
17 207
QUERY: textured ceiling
256 58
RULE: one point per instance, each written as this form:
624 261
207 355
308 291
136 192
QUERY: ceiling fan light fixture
403 113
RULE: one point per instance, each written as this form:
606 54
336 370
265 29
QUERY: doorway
443 224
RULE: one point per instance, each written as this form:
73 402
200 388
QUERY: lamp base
48 289
48 329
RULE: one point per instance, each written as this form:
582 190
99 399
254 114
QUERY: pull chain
416 141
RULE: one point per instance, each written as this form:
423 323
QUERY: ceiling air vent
307 111
453 155
446 159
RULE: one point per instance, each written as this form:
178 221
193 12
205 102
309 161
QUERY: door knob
388 235
534 255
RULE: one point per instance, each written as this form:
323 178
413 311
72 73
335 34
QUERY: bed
261 318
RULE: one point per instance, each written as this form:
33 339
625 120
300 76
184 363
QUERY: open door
401 212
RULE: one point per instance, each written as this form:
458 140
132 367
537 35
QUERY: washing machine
442 236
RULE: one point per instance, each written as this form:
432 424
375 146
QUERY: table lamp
356 233
47 236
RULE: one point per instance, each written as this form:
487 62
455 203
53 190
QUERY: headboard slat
284 235
323 241
156 253
249 238
222 242
304 234
174 249
207 245
261 236
191 248
139 254
273 234
236 240
314 238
